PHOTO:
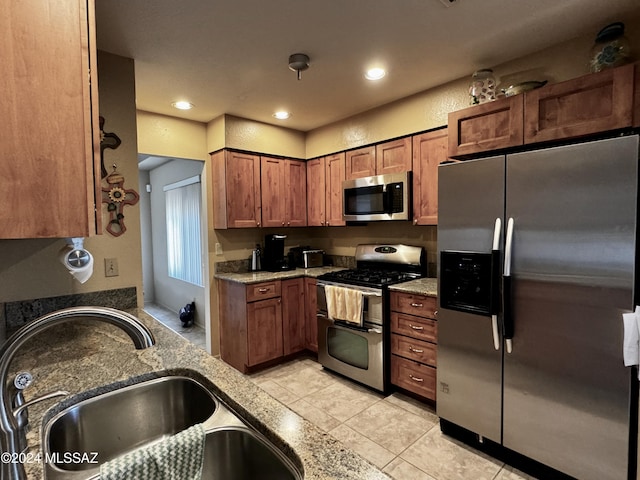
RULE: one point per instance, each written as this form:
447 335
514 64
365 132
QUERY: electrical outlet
219 249
111 267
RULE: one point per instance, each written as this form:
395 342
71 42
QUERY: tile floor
195 334
398 434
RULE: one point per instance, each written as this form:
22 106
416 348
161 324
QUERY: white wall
170 292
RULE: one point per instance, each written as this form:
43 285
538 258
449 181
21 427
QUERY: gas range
378 266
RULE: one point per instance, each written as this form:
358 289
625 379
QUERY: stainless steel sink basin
119 421
236 453
112 424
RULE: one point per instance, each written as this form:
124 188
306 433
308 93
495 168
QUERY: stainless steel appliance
306 257
381 197
361 352
537 257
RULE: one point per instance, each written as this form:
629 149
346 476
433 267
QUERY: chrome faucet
12 431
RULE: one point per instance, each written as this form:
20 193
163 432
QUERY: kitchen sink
83 436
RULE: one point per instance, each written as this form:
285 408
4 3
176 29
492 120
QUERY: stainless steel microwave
381 197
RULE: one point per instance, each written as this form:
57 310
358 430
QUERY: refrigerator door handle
495 273
506 287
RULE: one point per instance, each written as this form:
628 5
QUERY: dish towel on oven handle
180 456
344 304
631 339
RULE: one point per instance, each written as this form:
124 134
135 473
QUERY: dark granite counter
89 357
422 286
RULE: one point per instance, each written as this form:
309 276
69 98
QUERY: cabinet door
316 192
490 126
264 331
589 104
360 163
242 187
334 176
49 153
394 156
293 315
295 176
429 150
272 180
311 307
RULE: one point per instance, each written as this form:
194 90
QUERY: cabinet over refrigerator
537 265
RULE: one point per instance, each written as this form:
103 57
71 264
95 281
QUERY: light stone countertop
92 357
257 277
421 286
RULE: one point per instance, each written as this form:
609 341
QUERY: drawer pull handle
415 350
416 379
417 305
416 327
263 290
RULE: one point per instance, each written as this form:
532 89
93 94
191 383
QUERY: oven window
348 347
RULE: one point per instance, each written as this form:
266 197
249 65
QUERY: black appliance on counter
274 259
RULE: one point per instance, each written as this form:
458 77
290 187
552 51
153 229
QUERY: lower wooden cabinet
414 337
311 307
261 322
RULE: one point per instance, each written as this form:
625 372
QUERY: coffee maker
274 259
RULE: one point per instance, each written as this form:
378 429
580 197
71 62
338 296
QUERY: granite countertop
257 277
90 357
421 286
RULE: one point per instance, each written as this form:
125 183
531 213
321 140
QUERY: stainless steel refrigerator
531 357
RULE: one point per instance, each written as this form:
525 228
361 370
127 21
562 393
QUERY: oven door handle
364 294
358 329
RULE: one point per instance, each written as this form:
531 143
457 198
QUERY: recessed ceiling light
282 115
375 73
182 105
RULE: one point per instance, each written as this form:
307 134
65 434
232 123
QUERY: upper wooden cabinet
283 192
594 103
50 148
485 127
388 157
429 150
324 190
590 104
236 190
360 163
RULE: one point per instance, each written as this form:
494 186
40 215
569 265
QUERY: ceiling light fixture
282 115
298 62
182 105
375 73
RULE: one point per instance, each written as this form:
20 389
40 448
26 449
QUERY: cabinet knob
288 224
415 221
283 224
435 313
258 224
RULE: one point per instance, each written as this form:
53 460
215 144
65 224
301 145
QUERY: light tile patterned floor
398 434
195 334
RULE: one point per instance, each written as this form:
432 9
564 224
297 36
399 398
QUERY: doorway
165 293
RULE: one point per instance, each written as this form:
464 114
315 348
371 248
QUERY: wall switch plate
111 267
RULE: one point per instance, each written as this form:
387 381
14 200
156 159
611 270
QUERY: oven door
354 352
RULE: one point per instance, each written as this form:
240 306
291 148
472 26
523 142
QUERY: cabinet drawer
413 376
419 328
261 291
407 347
413 304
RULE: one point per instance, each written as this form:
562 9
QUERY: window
183 230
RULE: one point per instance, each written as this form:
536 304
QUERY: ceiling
231 56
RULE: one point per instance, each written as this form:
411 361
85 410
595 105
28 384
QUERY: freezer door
470 198
566 390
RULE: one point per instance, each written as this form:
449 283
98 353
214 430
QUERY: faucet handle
22 380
